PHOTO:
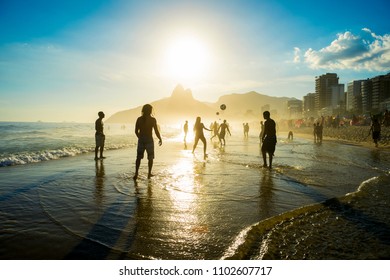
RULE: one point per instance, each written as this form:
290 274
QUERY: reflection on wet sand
266 194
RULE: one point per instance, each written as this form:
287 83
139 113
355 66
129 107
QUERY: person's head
266 115
224 121
198 119
147 110
101 115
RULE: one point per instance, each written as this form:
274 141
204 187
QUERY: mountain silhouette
181 106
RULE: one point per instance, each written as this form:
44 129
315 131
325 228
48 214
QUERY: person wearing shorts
269 139
144 130
99 136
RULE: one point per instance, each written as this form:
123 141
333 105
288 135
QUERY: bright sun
186 60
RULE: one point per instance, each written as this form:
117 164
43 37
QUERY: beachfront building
338 99
375 93
323 94
294 107
309 108
354 97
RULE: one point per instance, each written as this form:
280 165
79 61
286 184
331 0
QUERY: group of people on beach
146 124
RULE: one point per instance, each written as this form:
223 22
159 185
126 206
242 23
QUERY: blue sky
67 60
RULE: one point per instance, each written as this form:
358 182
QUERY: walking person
99 136
269 139
214 128
199 135
375 130
144 130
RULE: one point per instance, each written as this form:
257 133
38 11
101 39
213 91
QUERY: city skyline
67 61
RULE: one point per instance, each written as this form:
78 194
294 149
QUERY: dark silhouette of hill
249 104
181 106
178 107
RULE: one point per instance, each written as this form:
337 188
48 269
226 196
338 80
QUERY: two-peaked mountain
182 106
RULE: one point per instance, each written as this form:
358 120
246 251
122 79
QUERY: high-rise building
366 95
354 97
294 108
375 92
324 84
309 108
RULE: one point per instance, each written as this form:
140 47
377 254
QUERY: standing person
376 130
185 129
144 131
246 130
99 136
198 128
269 139
261 131
223 128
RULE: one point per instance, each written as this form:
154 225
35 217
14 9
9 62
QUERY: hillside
182 106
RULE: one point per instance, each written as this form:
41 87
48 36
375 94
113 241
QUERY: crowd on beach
357 129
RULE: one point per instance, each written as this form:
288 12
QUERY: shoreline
351 135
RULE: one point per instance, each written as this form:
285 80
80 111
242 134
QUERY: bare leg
96 152
101 151
264 159
137 164
195 144
270 160
150 166
204 148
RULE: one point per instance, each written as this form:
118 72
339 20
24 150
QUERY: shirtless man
269 139
144 131
99 136
223 128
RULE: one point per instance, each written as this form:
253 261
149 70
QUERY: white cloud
365 51
297 55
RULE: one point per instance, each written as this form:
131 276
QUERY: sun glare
186 60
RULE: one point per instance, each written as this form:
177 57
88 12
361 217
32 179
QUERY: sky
67 60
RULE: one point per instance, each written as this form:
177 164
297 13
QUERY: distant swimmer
269 139
144 130
223 128
198 129
99 136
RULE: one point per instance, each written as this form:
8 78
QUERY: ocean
328 201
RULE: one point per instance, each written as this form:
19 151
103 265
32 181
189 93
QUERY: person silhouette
261 131
99 136
144 130
246 130
375 129
269 139
223 128
199 135
214 128
185 129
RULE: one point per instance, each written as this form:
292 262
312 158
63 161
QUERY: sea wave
46 155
